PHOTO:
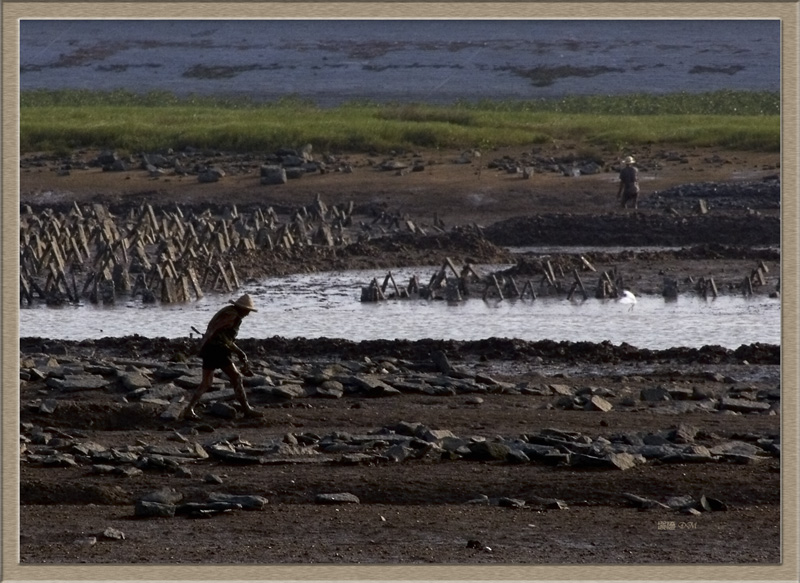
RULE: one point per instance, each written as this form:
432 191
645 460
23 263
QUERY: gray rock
192 381
565 390
206 509
165 495
291 160
223 410
149 509
681 502
127 472
227 454
105 370
739 452
743 405
48 406
289 391
168 391
643 503
654 394
212 479
510 502
358 459
516 456
712 504
174 410
151 401
452 443
78 383
88 448
219 395
338 498
35 374
618 461
168 373
565 402
295 172
271 175
113 534
596 403
398 453
689 454
62 460
247 502
682 434
329 390
372 385
681 393
433 435
210 175
41 437
393 165
488 451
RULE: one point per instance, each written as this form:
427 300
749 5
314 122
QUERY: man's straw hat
629 160
245 302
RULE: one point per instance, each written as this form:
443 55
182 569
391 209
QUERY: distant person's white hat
629 160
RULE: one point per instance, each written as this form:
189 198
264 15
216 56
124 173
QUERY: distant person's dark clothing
629 184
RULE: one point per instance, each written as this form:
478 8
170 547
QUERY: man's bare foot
190 414
251 412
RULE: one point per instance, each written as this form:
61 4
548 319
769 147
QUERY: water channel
321 305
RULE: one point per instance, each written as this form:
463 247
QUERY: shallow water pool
328 305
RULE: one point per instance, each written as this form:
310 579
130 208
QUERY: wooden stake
580 284
234 277
528 286
497 285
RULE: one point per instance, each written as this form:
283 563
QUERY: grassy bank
64 120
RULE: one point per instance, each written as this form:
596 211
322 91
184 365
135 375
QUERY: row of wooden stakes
168 255
610 284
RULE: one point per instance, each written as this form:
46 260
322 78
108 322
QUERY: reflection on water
328 305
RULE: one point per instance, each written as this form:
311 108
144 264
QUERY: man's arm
223 319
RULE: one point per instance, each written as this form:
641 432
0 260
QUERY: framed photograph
399 291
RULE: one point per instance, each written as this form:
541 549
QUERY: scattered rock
113 534
338 498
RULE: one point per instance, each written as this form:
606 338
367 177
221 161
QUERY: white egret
627 297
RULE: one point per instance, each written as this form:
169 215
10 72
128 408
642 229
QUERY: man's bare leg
238 388
205 384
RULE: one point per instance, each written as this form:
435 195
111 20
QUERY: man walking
216 348
629 183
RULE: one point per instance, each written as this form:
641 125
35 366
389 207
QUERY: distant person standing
216 348
629 183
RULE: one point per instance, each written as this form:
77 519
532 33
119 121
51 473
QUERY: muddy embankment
543 351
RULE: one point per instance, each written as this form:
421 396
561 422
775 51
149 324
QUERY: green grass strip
65 120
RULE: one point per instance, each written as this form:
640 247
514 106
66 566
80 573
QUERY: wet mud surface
487 452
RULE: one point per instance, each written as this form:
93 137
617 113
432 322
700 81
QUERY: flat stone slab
78 383
338 498
743 405
247 502
134 380
168 392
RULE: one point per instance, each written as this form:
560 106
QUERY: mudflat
430 452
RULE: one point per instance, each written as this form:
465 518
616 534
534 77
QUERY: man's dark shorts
215 357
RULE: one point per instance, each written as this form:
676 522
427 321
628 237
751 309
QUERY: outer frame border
786 11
